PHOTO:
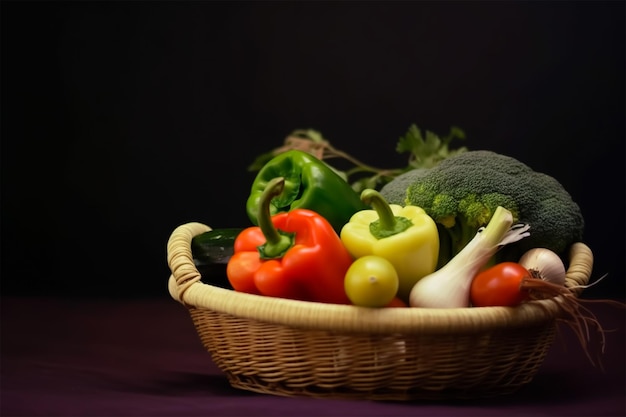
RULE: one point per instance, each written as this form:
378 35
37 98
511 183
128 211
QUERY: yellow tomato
371 281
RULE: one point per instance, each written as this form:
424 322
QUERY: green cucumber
211 252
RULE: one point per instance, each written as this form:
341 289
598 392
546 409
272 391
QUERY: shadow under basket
296 348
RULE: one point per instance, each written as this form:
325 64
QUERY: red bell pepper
295 254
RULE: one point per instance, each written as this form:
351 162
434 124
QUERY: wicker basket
295 348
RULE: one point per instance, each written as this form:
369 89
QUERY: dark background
123 120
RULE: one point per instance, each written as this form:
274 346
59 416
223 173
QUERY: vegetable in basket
425 149
539 275
296 255
371 281
449 286
509 284
545 264
462 192
405 236
310 184
211 251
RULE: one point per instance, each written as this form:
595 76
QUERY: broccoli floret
462 192
397 193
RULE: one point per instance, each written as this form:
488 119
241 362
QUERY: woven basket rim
186 287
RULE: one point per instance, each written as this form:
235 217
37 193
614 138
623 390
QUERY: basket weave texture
296 348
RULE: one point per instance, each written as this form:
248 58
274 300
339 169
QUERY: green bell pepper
309 184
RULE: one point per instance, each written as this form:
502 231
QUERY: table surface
143 357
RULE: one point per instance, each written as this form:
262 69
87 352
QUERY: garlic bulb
544 264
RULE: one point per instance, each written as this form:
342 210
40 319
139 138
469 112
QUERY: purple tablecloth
83 357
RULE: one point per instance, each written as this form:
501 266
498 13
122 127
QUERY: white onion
545 264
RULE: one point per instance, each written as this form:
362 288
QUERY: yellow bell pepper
405 236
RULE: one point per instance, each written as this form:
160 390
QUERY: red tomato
499 285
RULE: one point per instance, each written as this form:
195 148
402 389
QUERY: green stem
277 243
385 215
388 224
359 164
379 172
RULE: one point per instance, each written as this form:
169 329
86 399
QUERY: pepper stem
387 224
277 242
